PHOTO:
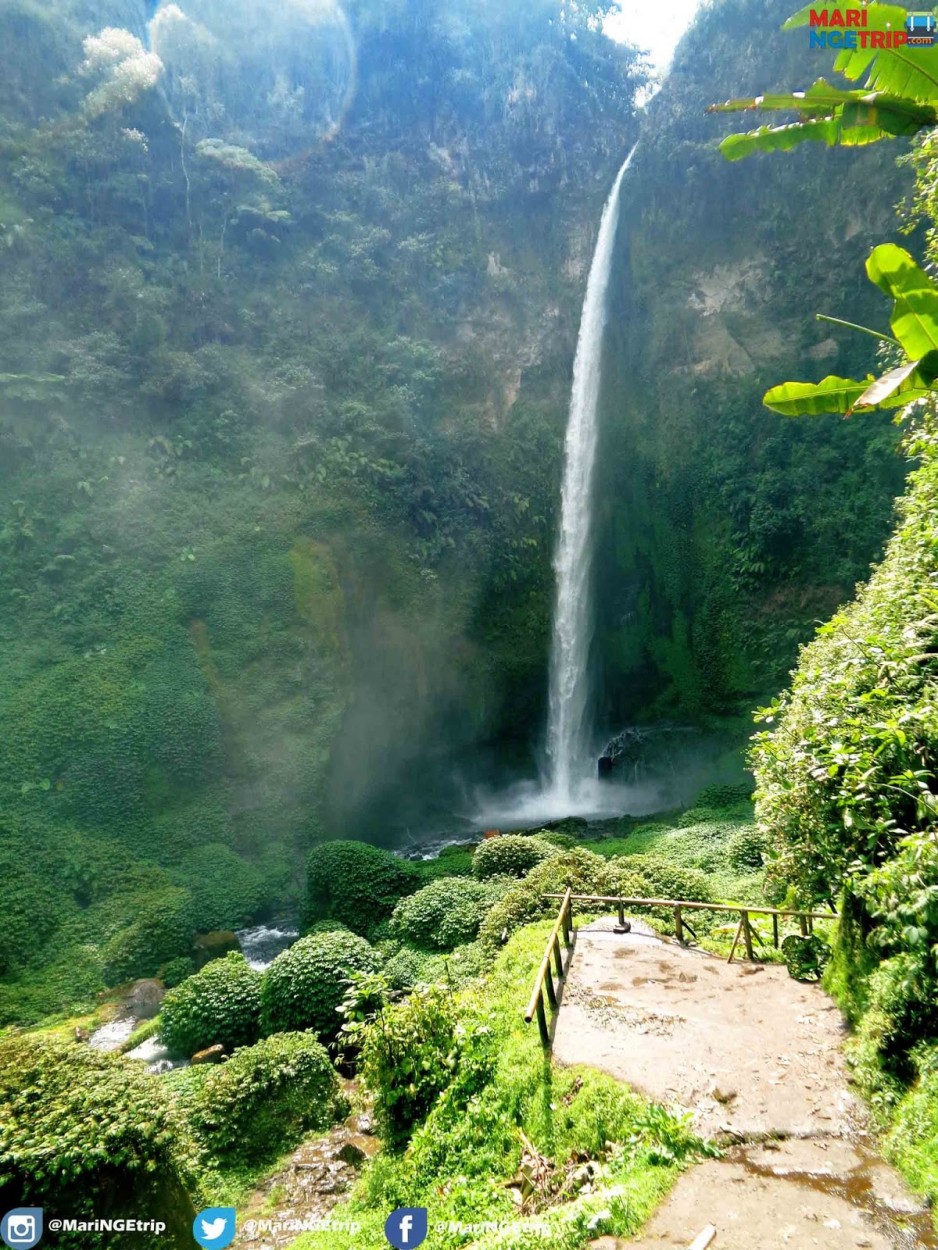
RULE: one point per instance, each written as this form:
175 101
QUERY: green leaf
901 385
915 317
830 115
908 72
814 399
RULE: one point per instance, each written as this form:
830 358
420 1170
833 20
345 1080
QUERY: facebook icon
406 1227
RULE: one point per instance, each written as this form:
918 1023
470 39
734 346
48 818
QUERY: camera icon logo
21 1228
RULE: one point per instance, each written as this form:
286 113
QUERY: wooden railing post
747 935
678 925
549 986
542 1021
551 963
775 930
558 960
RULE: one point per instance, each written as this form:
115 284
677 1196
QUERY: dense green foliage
265 1098
510 856
92 1135
303 987
844 777
447 912
485 1083
724 531
356 883
409 1058
581 869
221 1005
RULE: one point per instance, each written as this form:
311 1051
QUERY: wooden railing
679 906
561 937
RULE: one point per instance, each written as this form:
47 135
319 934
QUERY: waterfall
568 745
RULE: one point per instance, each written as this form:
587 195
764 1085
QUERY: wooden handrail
544 981
677 906
694 905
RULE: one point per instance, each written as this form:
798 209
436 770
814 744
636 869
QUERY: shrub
408 1059
452 861
912 1142
584 871
446 913
303 987
226 890
356 883
265 1098
175 971
164 931
723 796
902 1011
220 1004
663 879
747 848
511 856
91 1134
328 926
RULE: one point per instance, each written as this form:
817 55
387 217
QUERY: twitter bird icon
214 1228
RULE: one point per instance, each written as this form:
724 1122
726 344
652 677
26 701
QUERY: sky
655 27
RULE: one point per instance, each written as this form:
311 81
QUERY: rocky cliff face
728 530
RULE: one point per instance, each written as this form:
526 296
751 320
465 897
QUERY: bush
584 871
265 1098
723 796
356 883
303 987
220 1004
90 1134
446 913
452 861
227 892
408 1059
747 848
902 1012
164 931
511 856
912 1142
175 971
662 879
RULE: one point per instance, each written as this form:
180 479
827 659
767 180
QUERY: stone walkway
756 1059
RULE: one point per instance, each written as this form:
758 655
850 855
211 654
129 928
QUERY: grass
912 1141
461 1158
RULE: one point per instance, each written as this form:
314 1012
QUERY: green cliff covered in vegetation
726 531
281 422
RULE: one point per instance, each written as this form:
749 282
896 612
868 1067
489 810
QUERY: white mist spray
568 743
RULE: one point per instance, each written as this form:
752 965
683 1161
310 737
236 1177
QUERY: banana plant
899 95
914 325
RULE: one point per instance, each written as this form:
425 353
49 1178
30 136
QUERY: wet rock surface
757 1060
319 1175
792 1195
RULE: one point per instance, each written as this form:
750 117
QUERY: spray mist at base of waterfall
528 804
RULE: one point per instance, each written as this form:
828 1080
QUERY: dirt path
302 1195
754 1056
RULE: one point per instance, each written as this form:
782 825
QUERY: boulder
211 1054
209 946
145 998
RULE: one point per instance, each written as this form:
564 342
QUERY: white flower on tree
123 67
